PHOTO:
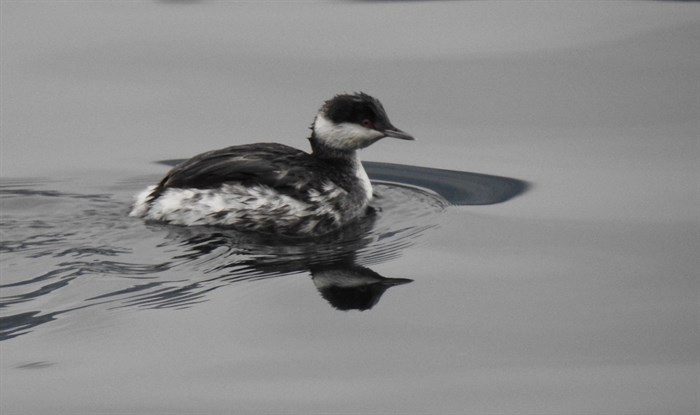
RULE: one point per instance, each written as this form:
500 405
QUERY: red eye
367 123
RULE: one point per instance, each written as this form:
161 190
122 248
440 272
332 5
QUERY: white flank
222 206
240 206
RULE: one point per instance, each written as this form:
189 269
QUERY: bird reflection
348 286
331 260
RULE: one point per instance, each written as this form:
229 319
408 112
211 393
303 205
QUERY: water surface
533 251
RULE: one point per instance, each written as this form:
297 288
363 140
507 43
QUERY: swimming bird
276 189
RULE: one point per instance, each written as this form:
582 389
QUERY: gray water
534 251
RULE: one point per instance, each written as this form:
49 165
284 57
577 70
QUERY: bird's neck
346 162
323 151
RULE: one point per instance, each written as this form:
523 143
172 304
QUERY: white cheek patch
344 136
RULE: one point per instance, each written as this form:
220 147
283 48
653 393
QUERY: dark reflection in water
348 286
64 251
331 261
15 325
457 187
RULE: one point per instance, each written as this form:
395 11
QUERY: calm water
534 251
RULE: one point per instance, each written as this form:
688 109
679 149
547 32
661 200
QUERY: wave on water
64 250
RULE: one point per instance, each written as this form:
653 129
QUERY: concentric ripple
64 251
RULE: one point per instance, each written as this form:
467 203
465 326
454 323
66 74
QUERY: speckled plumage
273 188
265 187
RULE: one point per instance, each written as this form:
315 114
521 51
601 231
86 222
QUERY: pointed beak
395 281
396 133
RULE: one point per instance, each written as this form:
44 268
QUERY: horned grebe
273 188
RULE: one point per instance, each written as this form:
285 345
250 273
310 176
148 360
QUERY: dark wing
275 165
